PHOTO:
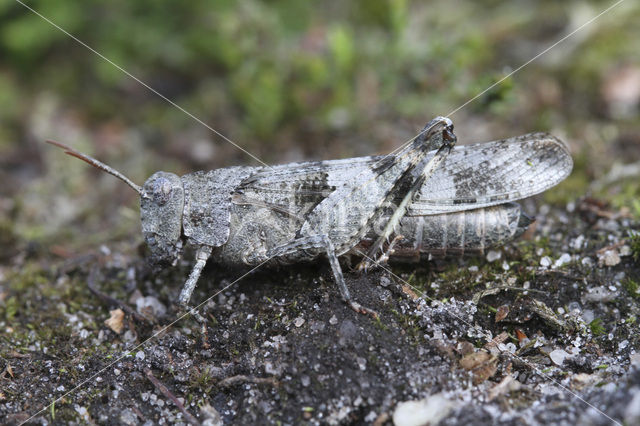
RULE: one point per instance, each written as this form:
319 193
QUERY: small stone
562 260
128 417
558 356
609 258
129 336
298 322
493 255
140 355
586 261
362 363
371 417
588 315
578 242
599 294
272 369
150 304
305 380
545 261
505 266
426 411
385 281
333 320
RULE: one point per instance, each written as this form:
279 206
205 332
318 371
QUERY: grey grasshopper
434 198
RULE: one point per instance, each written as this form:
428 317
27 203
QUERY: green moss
596 327
10 308
634 243
632 287
31 275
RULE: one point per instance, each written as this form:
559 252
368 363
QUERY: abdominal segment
457 233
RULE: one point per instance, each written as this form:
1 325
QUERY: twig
91 284
240 378
167 393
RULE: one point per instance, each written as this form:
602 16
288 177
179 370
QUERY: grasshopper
434 197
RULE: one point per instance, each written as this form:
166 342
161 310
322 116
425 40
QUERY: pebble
625 251
609 258
150 302
558 356
587 261
426 411
385 281
599 294
562 260
578 242
588 315
493 255
362 363
305 380
140 355
545 261
333 320
298 322
128 417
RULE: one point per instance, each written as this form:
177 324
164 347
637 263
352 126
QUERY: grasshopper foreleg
202 255
324 242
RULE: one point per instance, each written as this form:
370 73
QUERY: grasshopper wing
487 174
298 187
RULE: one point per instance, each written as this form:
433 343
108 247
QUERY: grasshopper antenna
97 164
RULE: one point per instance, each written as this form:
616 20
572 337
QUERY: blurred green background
291 80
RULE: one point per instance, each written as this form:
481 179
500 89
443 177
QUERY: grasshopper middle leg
324 242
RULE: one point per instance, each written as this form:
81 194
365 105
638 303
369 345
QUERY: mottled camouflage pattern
441 199
536 161
161 209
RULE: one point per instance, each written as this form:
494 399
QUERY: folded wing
487 174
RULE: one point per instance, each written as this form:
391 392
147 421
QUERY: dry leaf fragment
502 313
482 364
505 386
409 292
474 360
520 335
500 338
115 320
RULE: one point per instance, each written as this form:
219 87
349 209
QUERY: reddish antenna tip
97 164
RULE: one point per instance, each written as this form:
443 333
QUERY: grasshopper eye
448 134
162 190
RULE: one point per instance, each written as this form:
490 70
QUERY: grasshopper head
161 204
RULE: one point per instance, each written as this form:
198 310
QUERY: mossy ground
288 81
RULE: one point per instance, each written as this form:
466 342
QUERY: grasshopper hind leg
324 242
